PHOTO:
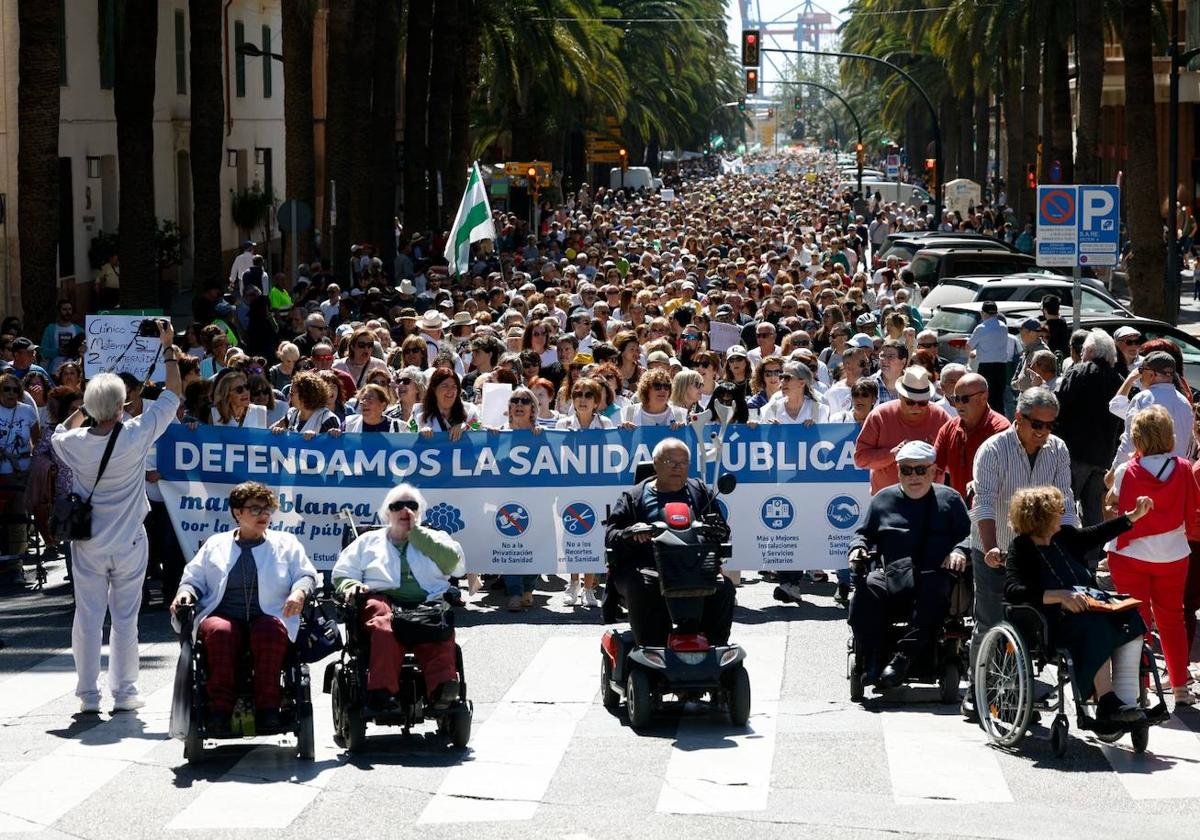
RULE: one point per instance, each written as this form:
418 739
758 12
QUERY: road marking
715 767
516 752
269 787
42 793
938 758
1169 769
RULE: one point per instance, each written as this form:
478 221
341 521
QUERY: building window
266 61
180 53
239 60
62 42
108 43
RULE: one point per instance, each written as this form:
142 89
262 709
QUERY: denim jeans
519 584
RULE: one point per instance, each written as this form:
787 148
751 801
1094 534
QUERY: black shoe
871 669
267 721
445 695
967 707
1109 709
217 724
842 596
788 593
379 699
895 672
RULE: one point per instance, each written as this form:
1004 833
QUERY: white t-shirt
16 424
256 418
571 423
1158 548
638 416
776 411
119 504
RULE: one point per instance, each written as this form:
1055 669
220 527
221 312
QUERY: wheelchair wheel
1109 737
1059 735
193 745
1140 736
459 720
637 698
1004 685
857 690
948 682
337 701
610 698
739 696
355 729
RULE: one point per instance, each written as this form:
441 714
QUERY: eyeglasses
363 345
257 510
401 504
9 389
921 470
1131 342
772 372
912 403
577 394
691 337
672 464
928 345
1039 425
963 399
239 389
704 365
520 401
660 386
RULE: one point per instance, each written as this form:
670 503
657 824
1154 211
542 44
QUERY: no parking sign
1078 225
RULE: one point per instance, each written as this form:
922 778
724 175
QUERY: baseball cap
1031 324
1158 361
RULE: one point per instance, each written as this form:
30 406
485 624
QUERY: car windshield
953 321
947 293
983 264
1191 352
902 251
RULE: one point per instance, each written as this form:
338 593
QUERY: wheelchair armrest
1030 622
185 617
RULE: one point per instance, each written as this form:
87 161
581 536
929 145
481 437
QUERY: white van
635 178
911 194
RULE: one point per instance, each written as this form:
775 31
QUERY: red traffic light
532 172
930 163
750 44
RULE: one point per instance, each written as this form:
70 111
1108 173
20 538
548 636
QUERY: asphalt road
546 759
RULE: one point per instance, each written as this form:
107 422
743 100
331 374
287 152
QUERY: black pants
166 556
924 607
996 374
648 614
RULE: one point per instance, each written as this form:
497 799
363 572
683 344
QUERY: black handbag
71 517
429 622
318 635
900 574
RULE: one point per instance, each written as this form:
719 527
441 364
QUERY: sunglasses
929 345
772 372
520 401
1039 425
403 382
921 470
363 345
912 403
401 504
704 365
239 389
962 399
661 386
576 394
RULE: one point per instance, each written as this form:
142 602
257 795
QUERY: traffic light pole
840 98
937 128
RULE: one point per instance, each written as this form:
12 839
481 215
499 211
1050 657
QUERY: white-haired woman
280 375
404 564
800 403
108 569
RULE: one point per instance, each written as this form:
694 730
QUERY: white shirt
838 397
1168 396
755 356
119 504
1156 548
638 416
16 424
330 309
256 418
776 411
571 423
241 262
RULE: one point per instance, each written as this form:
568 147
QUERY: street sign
518 169
294 216
1078 225
892 172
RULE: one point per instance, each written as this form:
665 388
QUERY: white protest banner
666 194
113 346
519 503
723 336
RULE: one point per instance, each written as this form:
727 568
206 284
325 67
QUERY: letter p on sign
1096 205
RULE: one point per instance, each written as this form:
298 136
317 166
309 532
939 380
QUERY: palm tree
362 63
207 100
383 125
299 150
335 238
37 157
133 100
418 34
466 81
446 27
1147 265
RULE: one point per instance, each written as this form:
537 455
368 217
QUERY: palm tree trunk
441 94
207 99
983 135
133 100
1014 133
37 159
1089 39
335 237
383 127
416 102
950 133
362 109
1031 78
966 134
1059 96
300 168
466 79
1147 265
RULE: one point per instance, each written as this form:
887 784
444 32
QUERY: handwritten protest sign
113 346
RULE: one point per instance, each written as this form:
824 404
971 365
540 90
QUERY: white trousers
107 583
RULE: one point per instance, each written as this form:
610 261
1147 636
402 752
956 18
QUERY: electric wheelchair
346 680
1013 653
190 702
943 666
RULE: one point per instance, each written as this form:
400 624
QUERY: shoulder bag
71 517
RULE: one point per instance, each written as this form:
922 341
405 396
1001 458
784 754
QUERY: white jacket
374 561
281 564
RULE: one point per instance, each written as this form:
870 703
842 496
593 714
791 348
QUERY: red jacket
1174 499
956 447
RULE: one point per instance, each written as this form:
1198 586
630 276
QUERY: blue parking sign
1099 218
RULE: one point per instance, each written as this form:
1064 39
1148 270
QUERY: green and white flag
473 223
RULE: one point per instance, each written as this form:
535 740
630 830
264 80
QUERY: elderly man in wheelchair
246 588
914 533
1055 613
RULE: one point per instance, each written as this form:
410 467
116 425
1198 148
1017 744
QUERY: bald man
959 440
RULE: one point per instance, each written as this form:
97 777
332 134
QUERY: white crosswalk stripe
936 758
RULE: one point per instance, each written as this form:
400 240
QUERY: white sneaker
89 705
129 704
571 597
589 598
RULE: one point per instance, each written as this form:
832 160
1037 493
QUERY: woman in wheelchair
1045 568
405 564
250 583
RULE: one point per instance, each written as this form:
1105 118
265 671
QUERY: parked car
904 246
954 323
931 266
1188 344
913 195
1028 286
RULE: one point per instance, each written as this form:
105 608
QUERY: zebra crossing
539 727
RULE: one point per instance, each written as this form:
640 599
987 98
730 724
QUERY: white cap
918 451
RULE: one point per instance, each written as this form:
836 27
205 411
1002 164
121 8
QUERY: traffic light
624 156
1031 176
798 103
531 174
931 171
752 80
859 154
742 104
750 45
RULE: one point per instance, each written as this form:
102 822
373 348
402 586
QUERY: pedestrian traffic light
624 156
742 104
750 44
770 113
798 103
752 80
859 154
1031 176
